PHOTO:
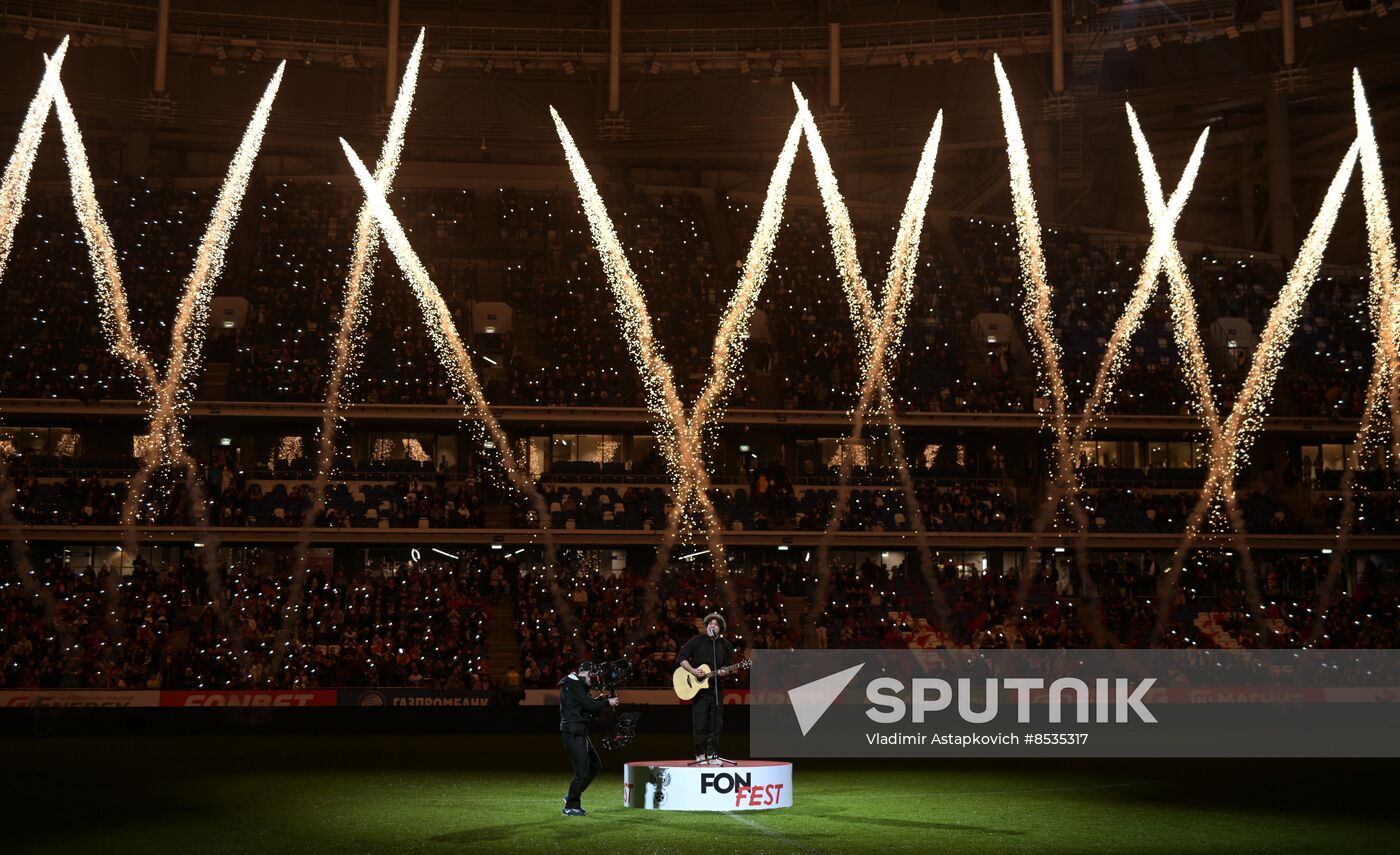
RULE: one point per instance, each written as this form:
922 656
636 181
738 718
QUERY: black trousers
707 719
586 763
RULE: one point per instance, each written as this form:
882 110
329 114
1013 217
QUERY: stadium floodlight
488 65
1232 31
653 66
1155 41
1130 43
568 66
257 54
904 59
1305 21
307 57
349 60
87 40
31 32
744 66
955 56
695 66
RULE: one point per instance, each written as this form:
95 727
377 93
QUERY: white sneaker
700 760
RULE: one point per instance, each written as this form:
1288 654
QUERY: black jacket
576 707
703 650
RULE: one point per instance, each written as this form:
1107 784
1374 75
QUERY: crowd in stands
423 625
565 344
238 503
608 612
1091 284
55 343
418 625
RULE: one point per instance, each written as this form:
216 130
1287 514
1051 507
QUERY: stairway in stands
502 639
213 386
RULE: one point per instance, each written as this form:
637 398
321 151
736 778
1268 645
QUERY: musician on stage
577 707
707 715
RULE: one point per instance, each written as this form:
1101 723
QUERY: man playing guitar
712 649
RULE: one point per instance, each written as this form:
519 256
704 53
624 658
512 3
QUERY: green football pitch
502 794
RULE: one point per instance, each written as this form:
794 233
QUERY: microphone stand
719 704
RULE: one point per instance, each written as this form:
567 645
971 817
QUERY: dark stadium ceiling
705 86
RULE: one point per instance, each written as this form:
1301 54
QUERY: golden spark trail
171 394
446 340
728 349
1247 414
1384 304
1384 292
680 436
192 317
1040 316
1040 320
102 252
346 351
879 337
14 186
663 399
1162 246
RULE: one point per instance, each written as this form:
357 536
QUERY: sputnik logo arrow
810 701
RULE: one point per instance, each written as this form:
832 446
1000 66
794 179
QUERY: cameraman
576 711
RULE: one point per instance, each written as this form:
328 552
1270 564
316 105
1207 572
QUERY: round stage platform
677 785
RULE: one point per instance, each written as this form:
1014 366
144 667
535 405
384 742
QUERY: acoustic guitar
688 685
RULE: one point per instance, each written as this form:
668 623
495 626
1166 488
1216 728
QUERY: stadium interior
407 551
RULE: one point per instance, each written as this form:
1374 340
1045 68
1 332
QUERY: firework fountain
14 187
167 395
879 337
682 435
455 358
1230 445
1381 389
1040 319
